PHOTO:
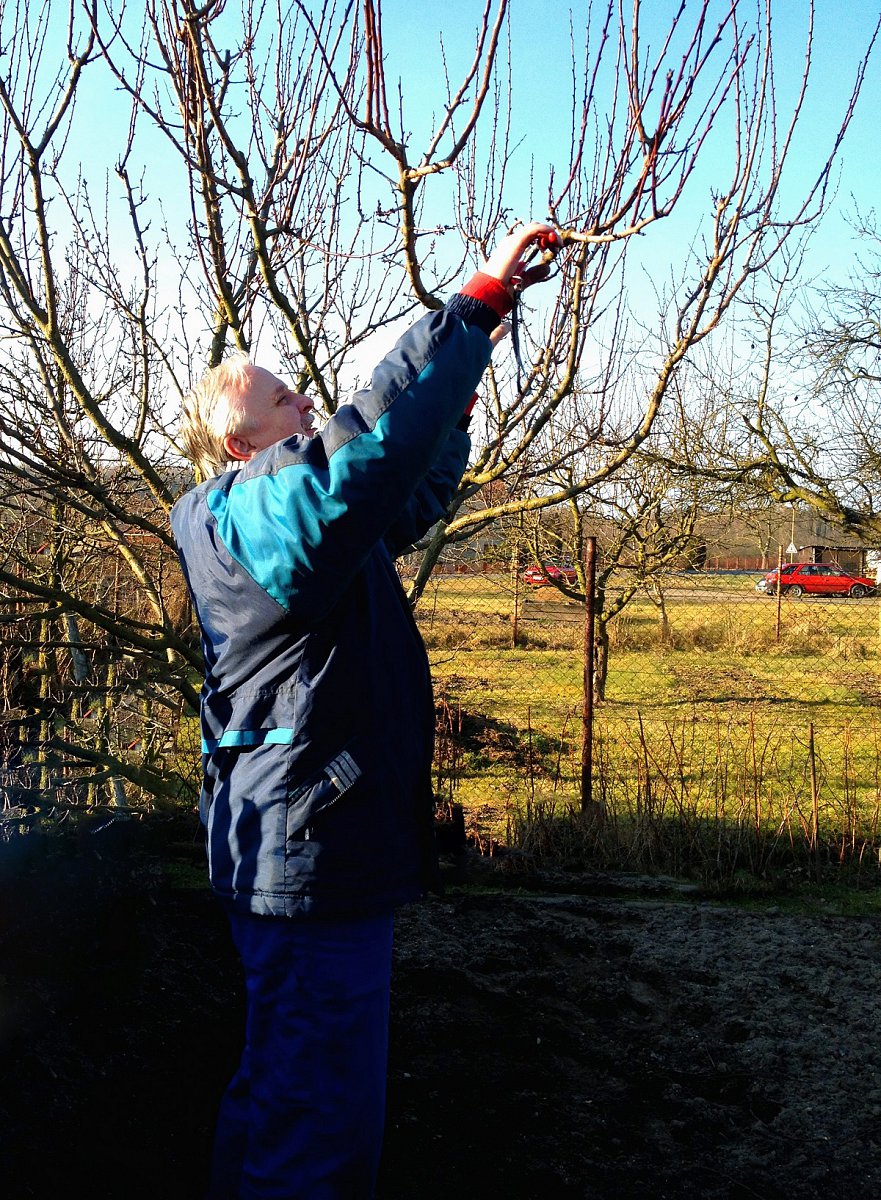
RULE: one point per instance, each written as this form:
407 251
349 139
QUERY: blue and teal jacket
317 711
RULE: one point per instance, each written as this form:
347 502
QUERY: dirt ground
587 1037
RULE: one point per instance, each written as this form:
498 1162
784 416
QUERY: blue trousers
303 1117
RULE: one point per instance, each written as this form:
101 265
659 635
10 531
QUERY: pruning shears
546 247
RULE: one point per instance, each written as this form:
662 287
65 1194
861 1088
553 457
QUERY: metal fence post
590 568
516 557
779 591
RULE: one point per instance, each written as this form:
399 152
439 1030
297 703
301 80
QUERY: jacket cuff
465 419
483 301
491 291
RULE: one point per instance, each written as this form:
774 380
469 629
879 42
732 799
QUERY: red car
816 579
549 572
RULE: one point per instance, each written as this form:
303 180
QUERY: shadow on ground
563 1042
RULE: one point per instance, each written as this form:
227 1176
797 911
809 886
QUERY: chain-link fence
713 697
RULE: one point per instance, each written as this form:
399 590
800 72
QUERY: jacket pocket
320 791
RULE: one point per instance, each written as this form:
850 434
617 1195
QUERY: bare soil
551 1038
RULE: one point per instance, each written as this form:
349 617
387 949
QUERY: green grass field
727 717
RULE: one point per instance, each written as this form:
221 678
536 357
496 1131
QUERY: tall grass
728 743
771 806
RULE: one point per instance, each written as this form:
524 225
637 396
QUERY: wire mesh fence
713 697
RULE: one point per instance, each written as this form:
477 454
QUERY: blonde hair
213 411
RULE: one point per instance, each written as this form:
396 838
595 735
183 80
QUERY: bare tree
315 219
820 443
631 182
647 521
84 493
796 419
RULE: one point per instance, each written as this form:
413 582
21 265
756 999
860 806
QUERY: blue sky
541 102
542 55
541 73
